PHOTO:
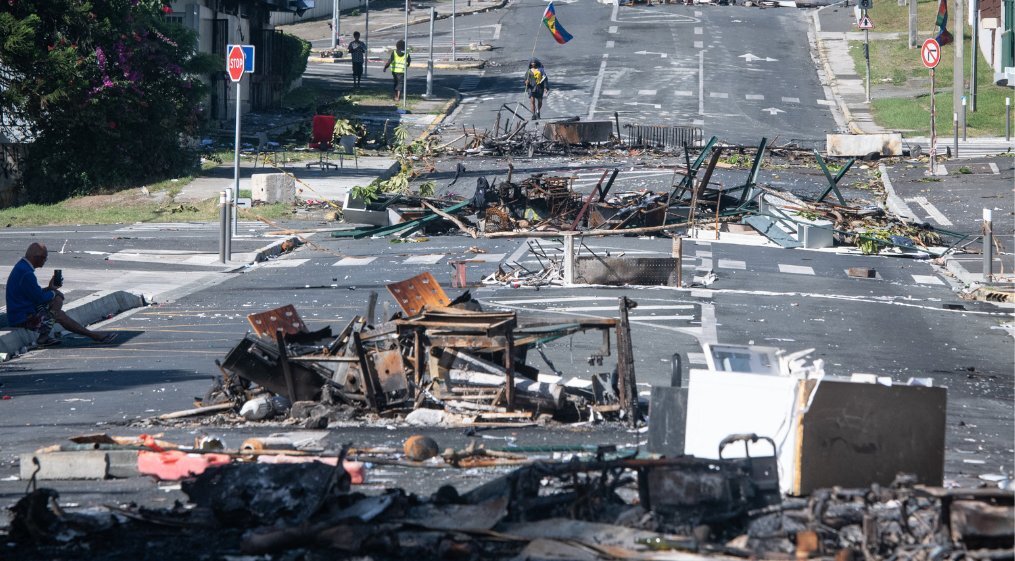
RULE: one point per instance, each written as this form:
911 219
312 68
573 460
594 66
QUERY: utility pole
336 5
366 39
958 74
912 24
975 54
405 75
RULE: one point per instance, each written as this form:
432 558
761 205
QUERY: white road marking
513 302
284 263
354 261
932 210
609 44
613 308
683 93
696 358
486 257
701 82
826 102
993 168
428 259
927 279
697 13
646 92
773 110
611 93
659 318
523 248
791 100
598 87
613 29
720 95
699 30
699 44
757 97
732 264
705 254
795 269
697 123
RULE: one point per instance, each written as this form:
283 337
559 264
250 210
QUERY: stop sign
235 63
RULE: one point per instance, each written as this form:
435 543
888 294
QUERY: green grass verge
77 211
895 67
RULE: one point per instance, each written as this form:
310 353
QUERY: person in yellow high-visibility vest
399 62
536 85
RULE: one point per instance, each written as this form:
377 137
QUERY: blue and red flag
943 37
556 29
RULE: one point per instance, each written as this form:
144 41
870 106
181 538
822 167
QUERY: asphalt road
906 322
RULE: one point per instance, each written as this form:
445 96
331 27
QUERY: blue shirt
24 293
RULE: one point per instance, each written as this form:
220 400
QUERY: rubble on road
436 354
624 507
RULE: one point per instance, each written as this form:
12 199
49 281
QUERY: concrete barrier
86 311
273 188
885 144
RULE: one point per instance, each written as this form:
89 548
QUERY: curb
86 311
427 18
832 82
448 65
894 202
276 248
449 107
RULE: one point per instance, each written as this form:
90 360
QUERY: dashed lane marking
429 259
795 269
354 261
732 264
927 279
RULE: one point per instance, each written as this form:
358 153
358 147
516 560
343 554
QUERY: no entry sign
930 53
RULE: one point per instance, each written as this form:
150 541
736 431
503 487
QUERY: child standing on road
357 50
536 85
399 62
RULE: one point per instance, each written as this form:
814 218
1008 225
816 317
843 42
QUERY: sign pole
867 58
453 49
236 166
933 125
335 7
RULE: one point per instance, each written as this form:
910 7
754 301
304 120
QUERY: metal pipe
429 62
988 245
453 12
867 58
223 226
964 118
955 127
1007 119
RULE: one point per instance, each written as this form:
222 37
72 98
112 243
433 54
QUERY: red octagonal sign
235 63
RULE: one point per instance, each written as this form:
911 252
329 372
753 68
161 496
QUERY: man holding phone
29 306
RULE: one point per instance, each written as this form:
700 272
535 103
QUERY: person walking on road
31 307
399 62
536 85
357 51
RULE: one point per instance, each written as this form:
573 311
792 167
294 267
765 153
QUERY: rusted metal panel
285 318
578 132
664 136
620 271
390 370
419 291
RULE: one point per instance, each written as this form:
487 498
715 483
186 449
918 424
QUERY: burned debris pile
606 506
435 354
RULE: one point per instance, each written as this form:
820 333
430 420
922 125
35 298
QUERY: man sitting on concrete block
29 306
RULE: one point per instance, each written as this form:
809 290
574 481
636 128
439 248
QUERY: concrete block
886 144
273 188
354 211
85 464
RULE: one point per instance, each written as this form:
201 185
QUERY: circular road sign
235 63
930 53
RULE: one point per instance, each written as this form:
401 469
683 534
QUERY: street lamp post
429 62
405 74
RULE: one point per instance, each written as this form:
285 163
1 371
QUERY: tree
109 89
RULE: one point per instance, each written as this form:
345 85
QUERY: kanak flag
556 29
943 37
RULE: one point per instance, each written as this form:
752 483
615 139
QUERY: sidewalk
953 200
390 16
834 28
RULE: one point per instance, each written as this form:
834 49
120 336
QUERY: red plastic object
175 464
322 130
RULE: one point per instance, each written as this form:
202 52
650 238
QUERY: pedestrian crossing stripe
429 259
354 261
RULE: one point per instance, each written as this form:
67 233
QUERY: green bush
296 53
